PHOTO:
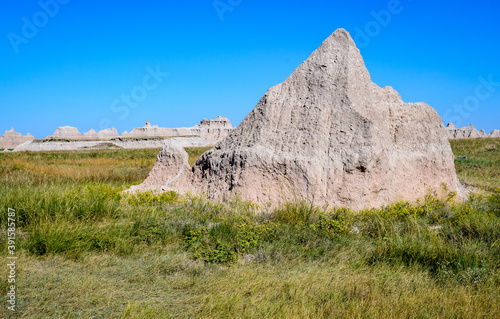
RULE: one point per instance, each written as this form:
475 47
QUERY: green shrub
333 224
207 247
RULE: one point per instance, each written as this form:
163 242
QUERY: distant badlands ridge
217 128
208 132
468 132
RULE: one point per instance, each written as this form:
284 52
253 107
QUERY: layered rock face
218 128
207 133
219 122
72 133
207 129
468 132
328 135
108 134
66 132
11 139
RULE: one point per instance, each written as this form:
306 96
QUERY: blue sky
94 64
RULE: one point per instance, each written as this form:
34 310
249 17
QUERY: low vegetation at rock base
88 250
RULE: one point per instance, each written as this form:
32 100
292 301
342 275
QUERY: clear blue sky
75 64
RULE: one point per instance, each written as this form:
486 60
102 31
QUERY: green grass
88 250
482 166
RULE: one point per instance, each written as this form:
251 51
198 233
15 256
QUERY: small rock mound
171 170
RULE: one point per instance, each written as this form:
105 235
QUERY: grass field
482 166
87 250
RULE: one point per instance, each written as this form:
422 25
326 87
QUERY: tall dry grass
88 250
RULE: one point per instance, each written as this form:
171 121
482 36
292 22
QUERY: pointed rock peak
450 125
11 130
342 34
337 41
337 57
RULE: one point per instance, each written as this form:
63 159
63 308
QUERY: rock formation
171 169
219 122
207 133
91 135
66 133
218 128
494 133
72 133
11 139
327 134
108 134
467 132
463 132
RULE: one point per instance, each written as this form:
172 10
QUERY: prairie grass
68 167
481 168
88 250
105 166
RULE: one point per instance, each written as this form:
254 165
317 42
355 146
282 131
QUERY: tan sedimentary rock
218 128
461 133
494 133
72 133
219 122
11 139
66 133
327 134
171 169
108 134
90 135
468 132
